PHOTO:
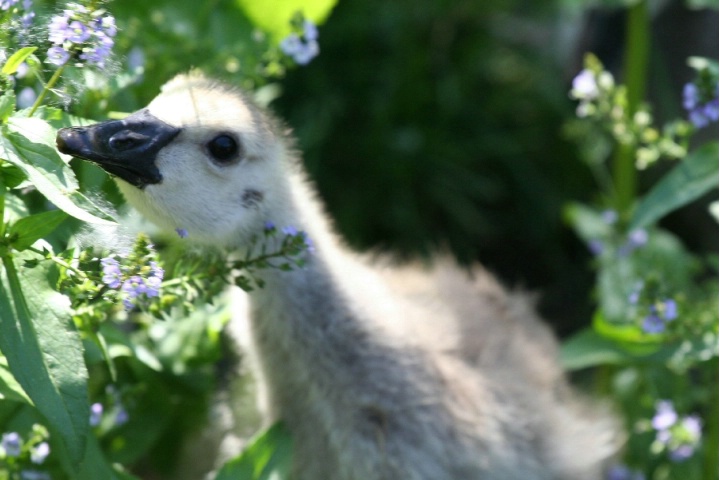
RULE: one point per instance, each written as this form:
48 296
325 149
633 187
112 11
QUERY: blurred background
436 125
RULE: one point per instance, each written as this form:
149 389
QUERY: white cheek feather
379 371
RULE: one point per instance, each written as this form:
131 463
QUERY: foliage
109 344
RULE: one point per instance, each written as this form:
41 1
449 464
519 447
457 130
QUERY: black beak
125 148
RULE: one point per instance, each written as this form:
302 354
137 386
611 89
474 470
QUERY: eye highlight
223 148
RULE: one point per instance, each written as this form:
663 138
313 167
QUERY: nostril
126 140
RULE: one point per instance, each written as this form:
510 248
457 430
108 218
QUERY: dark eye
223 147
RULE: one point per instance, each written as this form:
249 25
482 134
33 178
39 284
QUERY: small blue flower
58 56
269 227
112 275
96 410
289 230
40 453
622 472
181 232
134 286
122 417
653 324
11 443
152 286
157 271
596 247
6 4
665 415
584 85
681 452
670 311
26 97
702 108
610 217
302 50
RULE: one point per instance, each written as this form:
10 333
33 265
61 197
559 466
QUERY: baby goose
378 372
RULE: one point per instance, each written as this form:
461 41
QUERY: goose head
200 157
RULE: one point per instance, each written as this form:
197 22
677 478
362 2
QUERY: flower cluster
605 102
609 241
680 436
119 416
81 34
21 453
134 276
302 45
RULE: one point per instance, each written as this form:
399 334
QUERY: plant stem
635 73
53 80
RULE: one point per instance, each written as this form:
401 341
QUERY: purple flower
638 238
6 4
79 31
134 286
596 246
157 271
269 226
302 50
152 286
681 452
693 425
610 217
122 416
112 275
653 324
690 96
670 310
26 97
702 106
96 410
665 415
11 443
290 230
39 453
584 85
181 232
58 56
622 472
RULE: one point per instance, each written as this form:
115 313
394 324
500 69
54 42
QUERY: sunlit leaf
269 456
10 389
28 143
16 59
274 16
28 230
689 180
44 354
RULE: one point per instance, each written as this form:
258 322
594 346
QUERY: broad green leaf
16 60
274 16
588 349
690 179
9 388
44 354
28 230
28 143
269 456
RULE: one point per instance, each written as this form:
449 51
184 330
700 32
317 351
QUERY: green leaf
44 354
28 143
7 105
16 60
588 349
11 176
9 388
689 180
586 222
28 230
269 456
274 16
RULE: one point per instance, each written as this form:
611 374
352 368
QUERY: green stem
53 80
60 262
635 73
